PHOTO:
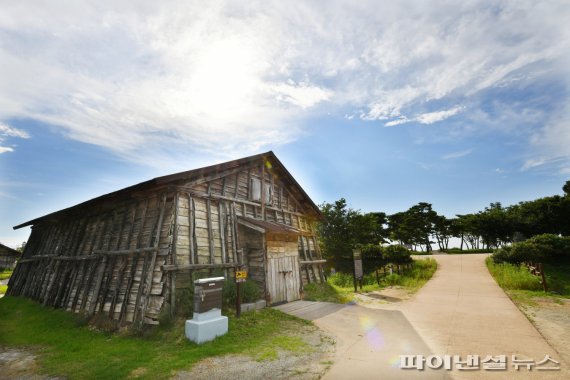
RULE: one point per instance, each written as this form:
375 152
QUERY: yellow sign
241 274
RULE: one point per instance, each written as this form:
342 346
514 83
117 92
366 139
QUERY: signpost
240 276
358 273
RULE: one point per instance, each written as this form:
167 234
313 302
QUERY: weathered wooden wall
101 261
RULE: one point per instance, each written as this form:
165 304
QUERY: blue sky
384 103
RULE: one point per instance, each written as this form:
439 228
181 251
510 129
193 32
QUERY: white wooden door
283 278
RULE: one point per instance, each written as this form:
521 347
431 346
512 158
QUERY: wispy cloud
433 117
229 76
459 154
6 132
426 118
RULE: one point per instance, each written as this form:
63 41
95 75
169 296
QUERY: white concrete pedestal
204 327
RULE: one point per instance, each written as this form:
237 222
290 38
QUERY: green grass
70 348
339 288
3 289
522 285
5 273
513 277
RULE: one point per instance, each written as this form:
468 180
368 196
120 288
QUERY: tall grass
513 277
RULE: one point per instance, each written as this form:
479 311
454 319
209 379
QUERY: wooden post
95 296
191 223
173 259
262 186
150 270
238 299
210 231
543 276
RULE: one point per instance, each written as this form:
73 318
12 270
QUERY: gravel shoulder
552 319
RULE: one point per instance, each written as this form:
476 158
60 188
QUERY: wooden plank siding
125 254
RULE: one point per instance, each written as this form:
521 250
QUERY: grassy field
69 347
339 287
523 286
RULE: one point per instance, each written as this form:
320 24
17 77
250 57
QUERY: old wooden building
129 253
8 257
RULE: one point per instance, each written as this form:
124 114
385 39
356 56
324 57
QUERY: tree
344 228
414 226
443 230
566 189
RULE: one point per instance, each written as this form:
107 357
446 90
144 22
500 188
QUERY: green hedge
546 248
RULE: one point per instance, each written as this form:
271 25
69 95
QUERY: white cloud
230 76
458 154
401 120
7 132
426 118
301 94
4 149
433 117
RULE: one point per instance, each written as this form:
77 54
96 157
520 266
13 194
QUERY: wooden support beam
263 200
173 258
201 194
311 262
210 230
305 257
222 230
150 274
192 229
185 267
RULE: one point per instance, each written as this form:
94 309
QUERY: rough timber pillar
263 190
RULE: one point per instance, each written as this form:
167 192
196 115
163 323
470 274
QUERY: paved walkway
460 311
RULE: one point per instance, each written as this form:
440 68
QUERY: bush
342 280
397 254
249 292
540 248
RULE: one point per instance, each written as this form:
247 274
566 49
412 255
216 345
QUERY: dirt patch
307 365
552 318
389 295
19 364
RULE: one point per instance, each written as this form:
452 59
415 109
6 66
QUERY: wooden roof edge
221 167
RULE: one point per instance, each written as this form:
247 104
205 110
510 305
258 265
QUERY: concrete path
460 311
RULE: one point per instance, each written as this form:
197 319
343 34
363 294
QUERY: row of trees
422 228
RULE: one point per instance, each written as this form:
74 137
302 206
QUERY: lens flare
373 335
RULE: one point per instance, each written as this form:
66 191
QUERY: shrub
393 279
372 258
397 254
540 248
249 292
343 280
